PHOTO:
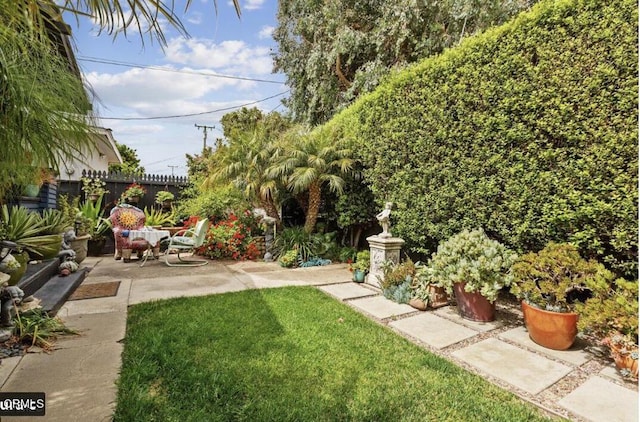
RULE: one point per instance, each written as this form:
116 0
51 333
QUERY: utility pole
204 129
173 167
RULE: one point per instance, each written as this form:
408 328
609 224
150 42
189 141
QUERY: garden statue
66 252
268 237
383 219
10 296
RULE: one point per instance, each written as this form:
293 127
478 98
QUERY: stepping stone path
574 384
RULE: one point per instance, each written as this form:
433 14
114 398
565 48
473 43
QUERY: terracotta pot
553 330
474 306
624 359
438 297
418 304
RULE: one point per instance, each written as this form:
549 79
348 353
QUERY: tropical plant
244 164
92 214
94 186
54 221
557 277
164 195
310 161
155 217
25 228
47 122
20 223
295 238
471 257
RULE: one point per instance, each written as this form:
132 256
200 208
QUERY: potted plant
611 315
550 283
360 268
133 193
97 226
396 280
476 268
93 188
426 291
164 198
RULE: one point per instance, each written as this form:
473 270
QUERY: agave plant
25 229
19 223
154 217
54 222
93 214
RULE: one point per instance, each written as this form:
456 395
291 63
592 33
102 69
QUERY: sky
132 92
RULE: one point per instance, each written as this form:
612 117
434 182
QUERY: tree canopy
335 50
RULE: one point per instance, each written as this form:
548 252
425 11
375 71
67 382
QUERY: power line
176 116
164 69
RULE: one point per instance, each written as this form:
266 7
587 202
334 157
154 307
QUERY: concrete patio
79 376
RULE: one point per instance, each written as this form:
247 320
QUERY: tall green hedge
528 130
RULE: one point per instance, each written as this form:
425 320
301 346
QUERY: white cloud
266 32
252 4
232 57
248 4
142 89
195 18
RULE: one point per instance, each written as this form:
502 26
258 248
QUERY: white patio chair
185 241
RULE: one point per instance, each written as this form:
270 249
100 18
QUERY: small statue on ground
10 297
383 219
66 252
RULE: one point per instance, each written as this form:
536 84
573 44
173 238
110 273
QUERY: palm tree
244 163
309 162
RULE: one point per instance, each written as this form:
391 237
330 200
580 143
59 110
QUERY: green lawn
290 354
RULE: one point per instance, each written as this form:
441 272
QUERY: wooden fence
116 184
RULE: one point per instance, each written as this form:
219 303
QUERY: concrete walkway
79 376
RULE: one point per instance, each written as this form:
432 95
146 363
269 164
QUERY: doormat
96 290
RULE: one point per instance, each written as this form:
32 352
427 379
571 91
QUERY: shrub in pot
611 315
550 283
360 268
476 268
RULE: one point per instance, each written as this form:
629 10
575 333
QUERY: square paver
433 330
451 312
575 355
381 307
600 400
345 291
526 370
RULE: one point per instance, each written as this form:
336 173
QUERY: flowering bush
229 239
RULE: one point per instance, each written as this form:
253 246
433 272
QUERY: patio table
153 238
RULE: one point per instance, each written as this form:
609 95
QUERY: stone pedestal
382 249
